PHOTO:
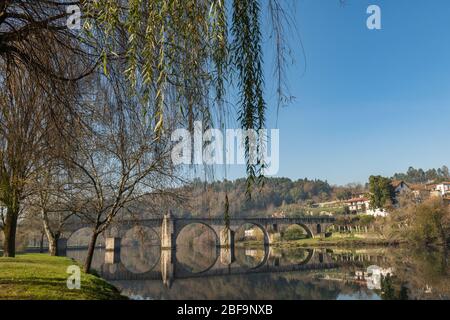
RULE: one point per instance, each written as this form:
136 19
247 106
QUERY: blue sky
370 101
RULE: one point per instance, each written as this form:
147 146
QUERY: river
205 272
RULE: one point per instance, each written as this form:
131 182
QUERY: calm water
146 272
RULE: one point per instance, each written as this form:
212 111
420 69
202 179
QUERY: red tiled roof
396 183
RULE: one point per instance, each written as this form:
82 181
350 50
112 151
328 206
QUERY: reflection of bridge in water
168 268
224 264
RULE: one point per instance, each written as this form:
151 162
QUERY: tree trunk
41 243
52 245
52 237
90 253
10 229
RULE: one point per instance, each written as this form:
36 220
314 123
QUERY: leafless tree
41 61
118 159
51 201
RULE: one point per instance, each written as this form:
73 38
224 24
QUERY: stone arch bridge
169 227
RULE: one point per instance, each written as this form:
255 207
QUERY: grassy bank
344 240
42 277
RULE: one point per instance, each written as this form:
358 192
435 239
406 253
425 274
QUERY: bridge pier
167 266
112 257
112 244
226 238
227 256
167 232
112 250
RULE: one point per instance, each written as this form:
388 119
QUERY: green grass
337 239
42 277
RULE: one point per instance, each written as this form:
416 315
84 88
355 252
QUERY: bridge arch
259 263
216 250
265 232
283 227
178 231
140 249
308 230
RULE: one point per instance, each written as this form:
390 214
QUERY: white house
376 212
362 205
358 205
374 276
443 188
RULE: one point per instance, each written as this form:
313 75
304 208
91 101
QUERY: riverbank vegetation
427 223
43 277
346 240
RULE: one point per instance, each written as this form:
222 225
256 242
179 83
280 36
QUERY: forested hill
208 199
424 176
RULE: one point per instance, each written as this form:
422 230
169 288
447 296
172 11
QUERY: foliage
421 176
430 223
272 196
344 194
366 220
185 54
388 288
423 224
294 232
382 193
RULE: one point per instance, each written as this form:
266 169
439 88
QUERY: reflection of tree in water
415 275
196 248
294 255
423 272
140 249
390 291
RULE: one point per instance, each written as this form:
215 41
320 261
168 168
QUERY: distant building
443 188
375 274
400 186
249 233
420 191
361 205
279 214
251 252
378 212
358 205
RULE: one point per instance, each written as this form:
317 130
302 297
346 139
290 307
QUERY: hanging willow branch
181 55
247 58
